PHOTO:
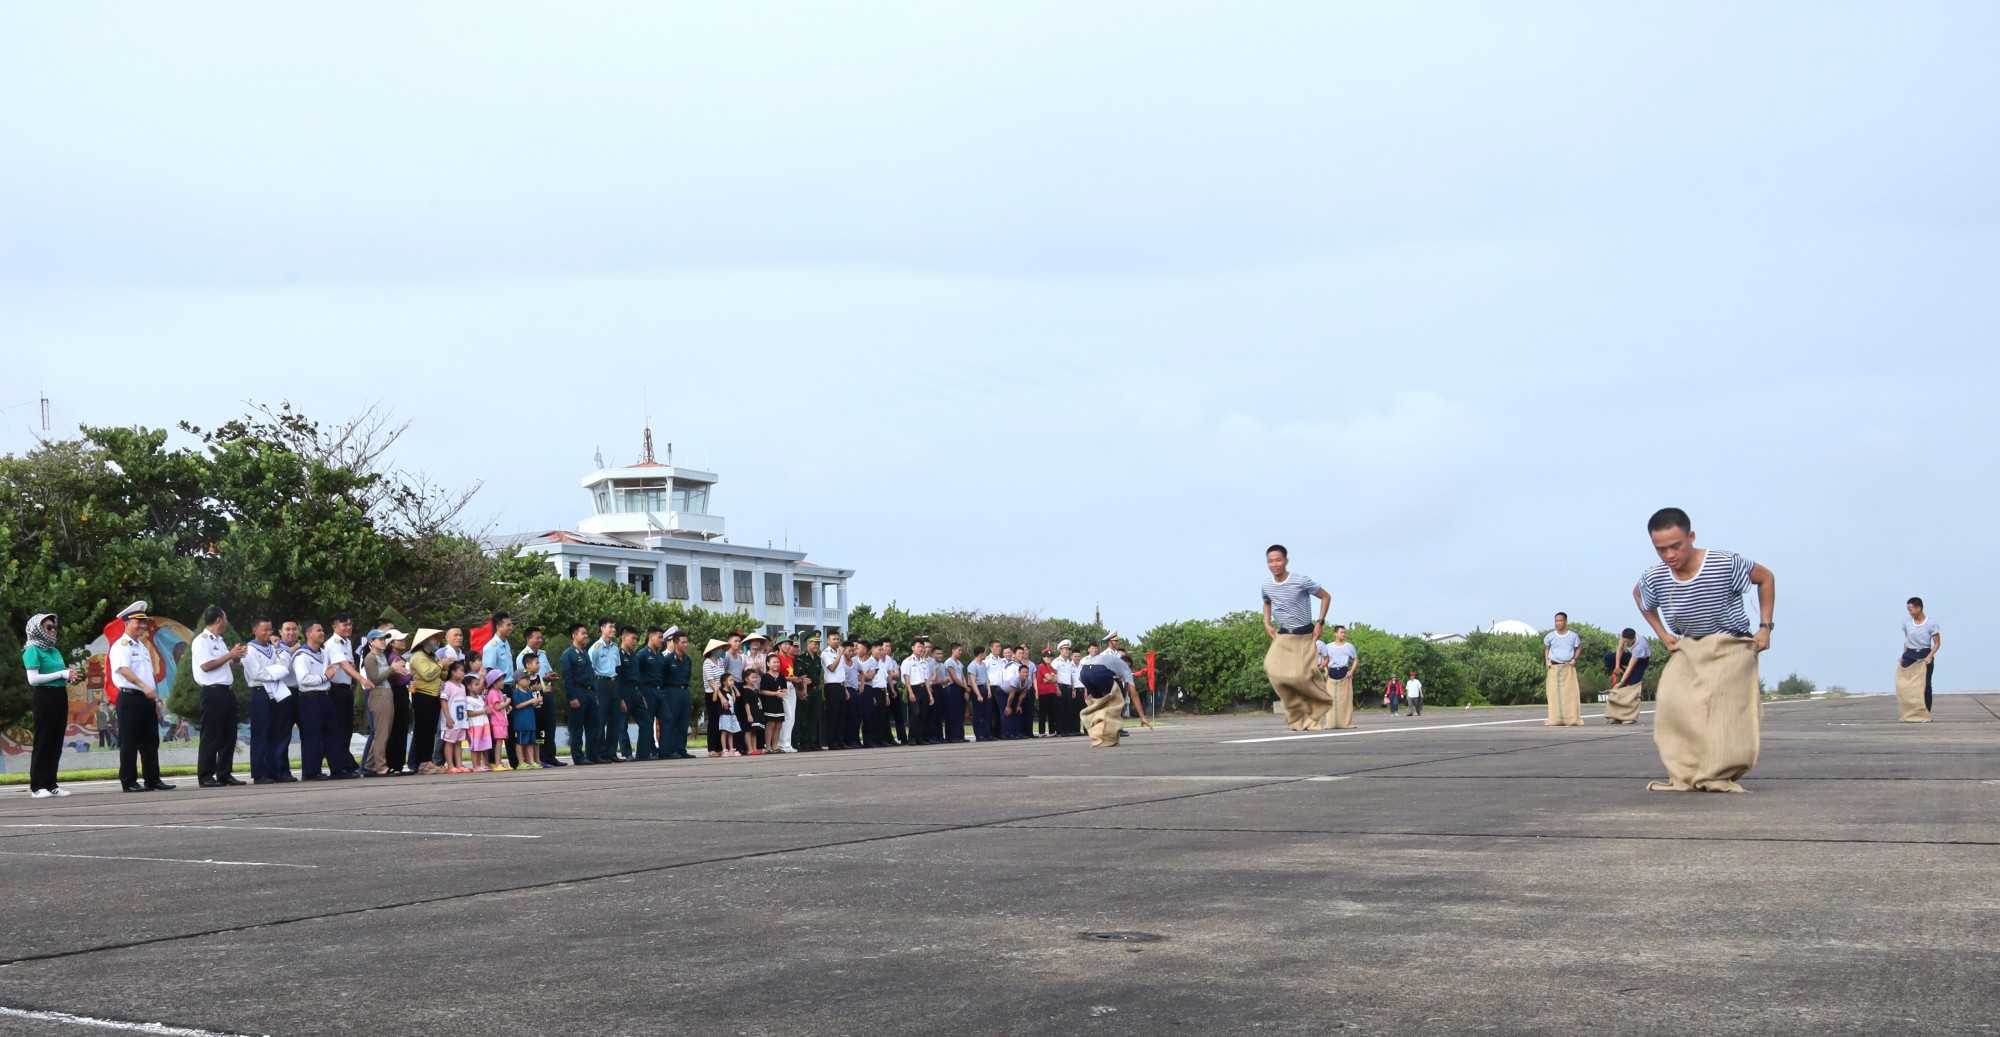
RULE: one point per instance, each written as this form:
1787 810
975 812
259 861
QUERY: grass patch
102 774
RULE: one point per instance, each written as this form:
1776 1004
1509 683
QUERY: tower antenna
646 408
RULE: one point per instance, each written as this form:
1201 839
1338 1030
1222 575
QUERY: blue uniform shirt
650 668
628 670
679 670
498 655
605 657
577 676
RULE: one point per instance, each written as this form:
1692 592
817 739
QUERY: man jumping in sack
1292 662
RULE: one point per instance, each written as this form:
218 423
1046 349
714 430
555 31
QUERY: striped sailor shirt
1709 603
1290 601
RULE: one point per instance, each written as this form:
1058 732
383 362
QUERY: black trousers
878 717
340 756
833 717
424 711
898 716
138 737
395 753
950 712
216 754
917 722
51 704
545 726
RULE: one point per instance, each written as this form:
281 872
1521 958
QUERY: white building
651 529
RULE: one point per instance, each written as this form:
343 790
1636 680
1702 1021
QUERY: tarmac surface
1462 872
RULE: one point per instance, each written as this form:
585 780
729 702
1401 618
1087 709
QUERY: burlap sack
1565 704
1621 705
1707 718
1104 717
1343 702
1292 664
1910 693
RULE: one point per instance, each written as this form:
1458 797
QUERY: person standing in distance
1707 713
1559 648
609 711
677 701
339 651
1292 661
649 666
579 680
545 714
833 703
1340 657
1922 639
50 680
1413 692
138 703
213 670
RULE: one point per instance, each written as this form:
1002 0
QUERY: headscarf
39 637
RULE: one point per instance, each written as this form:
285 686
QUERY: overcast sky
1024 305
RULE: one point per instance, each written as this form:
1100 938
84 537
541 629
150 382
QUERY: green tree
1796 686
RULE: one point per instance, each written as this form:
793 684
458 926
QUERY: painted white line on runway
1393 730
112 1024
278 828
156 860
1173 777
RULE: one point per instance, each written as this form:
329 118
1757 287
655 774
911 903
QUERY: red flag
479 636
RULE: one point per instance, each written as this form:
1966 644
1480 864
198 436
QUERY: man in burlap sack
1707 712
1921 641
1107 678
1627 666
1339 660
1559 648
1292 661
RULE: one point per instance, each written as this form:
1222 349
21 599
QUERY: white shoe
43 793
61 792
790 749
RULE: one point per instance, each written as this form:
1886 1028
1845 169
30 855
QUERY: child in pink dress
498 703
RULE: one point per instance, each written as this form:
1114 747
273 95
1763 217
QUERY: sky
1072 305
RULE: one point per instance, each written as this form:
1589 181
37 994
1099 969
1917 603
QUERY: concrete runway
1417 877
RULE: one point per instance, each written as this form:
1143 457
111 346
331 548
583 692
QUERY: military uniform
812 698
138 711
649 671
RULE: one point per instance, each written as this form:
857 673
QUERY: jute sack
1104 717
1565 705
1707 718
1292 664
1621 705
1343 702
1910 693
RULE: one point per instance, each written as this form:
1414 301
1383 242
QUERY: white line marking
1393 730
1176 777
156 860
113 1024
276 828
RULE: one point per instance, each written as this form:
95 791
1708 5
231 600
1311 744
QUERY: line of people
785 698
434 705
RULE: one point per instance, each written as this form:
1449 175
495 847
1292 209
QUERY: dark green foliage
1796 685
968 627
